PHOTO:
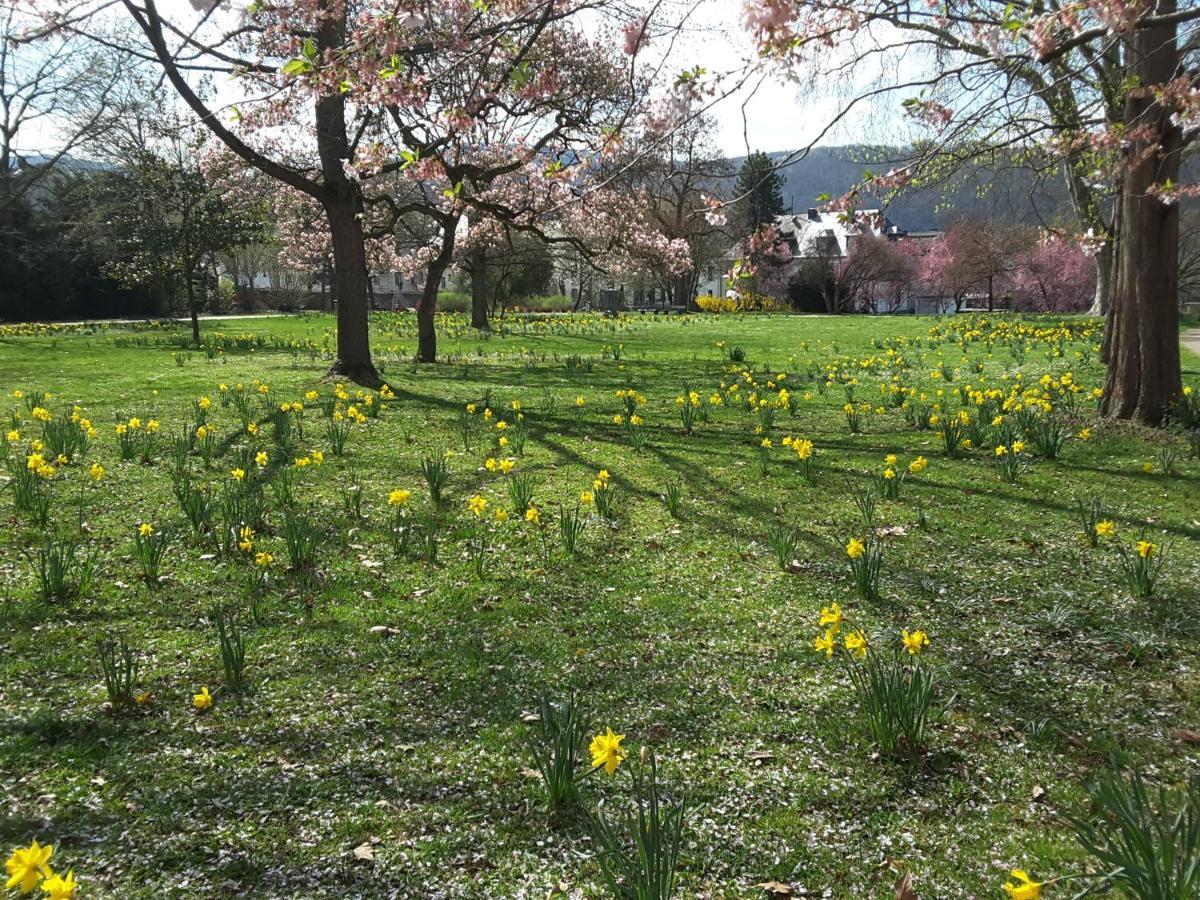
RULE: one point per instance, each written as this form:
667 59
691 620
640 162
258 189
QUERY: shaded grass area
683 634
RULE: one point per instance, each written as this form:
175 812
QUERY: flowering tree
378 111
681 174
163 223
1101 83
1055 275
971 256
876 272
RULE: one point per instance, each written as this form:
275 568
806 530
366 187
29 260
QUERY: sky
768 114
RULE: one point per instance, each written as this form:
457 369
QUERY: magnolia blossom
714 211
636 35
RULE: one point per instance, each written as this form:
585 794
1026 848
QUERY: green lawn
682 633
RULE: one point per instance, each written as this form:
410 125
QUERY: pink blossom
636 35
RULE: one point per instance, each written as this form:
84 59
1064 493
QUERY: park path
204 318
1191 340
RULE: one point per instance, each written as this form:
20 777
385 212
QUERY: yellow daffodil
1106 528
587 498
856 643
477 504
914 641
59 887
237 474
262 559
202 700
145 529
97 471
824 643
1024 888
399 497
532 516
1146 549
27 866
607 751
261 459
855 548
831 617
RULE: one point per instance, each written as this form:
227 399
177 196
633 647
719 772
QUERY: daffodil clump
890 478
604 494
1141 564
1093 523
691 408
150 546
866 561
893 687
1010 461
804 450
476 508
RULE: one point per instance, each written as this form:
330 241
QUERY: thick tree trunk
426 309
343 208
479 300
350 288
683 291
1143 347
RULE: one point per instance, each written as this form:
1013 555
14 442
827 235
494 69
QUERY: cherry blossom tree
972 256
1055 275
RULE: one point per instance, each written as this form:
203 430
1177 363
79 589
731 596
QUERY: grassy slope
683 634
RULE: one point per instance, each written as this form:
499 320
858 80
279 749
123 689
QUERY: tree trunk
1105 277
350 289
343 208
479 301
426 309
682 291
192 310
1143 353
427 306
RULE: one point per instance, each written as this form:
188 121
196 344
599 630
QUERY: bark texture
1143 341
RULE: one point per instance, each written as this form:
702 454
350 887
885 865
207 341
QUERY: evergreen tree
760 188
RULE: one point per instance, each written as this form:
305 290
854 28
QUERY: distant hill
1012 194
